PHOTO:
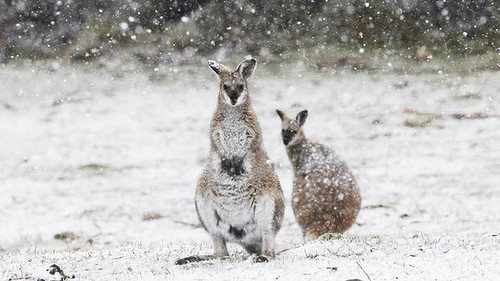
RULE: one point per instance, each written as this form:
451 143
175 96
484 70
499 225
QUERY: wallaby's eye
226 87
240 87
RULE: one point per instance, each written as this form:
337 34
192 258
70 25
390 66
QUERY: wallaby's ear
281 114
217 67
301 117
247 67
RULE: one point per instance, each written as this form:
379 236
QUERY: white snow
94 150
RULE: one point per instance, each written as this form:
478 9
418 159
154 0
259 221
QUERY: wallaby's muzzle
287 137
233 97
233 91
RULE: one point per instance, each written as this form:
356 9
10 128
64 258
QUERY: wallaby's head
291 128
233 84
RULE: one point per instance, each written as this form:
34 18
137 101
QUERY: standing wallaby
238 197
325 195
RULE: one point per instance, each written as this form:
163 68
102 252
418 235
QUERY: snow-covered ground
107 159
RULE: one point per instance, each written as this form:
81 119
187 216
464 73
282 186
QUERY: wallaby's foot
194 259
253 249
260 259
233 166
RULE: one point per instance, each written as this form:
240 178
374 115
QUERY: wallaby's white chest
233 135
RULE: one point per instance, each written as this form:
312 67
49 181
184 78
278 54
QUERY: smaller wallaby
325 195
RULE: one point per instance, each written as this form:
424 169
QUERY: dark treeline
87 28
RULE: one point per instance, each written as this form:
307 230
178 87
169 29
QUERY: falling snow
105 111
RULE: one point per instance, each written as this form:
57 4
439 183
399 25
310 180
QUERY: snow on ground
108 159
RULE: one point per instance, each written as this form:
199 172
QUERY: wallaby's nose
286 140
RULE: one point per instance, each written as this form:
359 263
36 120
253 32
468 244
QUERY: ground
99 165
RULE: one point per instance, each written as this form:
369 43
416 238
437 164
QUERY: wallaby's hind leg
210 221
220 250
270 214
268 247
220 247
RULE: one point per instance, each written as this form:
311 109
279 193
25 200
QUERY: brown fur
325 197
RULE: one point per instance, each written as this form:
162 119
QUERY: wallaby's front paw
260 259
233 166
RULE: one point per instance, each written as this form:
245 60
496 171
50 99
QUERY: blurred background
320 32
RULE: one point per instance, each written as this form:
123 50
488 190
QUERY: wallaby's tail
197 258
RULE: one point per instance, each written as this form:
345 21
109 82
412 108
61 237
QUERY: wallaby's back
325 196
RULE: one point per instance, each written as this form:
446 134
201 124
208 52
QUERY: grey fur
238 197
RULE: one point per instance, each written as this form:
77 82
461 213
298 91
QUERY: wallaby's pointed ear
217 67
247 67
280 114
301 117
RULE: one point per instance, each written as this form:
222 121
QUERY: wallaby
325 196
238 196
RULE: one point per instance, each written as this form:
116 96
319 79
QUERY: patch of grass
419 121
94 167
66 236
149 216
330 236
100 169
